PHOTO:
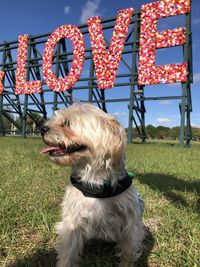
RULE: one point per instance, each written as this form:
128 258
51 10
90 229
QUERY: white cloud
89 10
120 114
121 117
195 45
164 120
196 21
196 77
174 84
194 125
67 10
165 102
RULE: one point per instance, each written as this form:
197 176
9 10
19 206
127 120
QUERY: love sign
107 62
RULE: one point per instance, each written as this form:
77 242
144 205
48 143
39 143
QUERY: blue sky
41 16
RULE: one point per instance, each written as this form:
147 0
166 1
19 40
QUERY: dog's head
84 134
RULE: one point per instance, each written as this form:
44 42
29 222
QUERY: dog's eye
67 123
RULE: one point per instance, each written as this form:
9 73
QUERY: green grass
32 187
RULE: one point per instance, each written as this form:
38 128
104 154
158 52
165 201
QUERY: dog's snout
44 129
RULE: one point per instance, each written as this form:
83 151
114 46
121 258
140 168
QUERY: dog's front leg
126 254
70 245
131 248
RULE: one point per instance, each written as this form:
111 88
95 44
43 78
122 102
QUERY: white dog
100 201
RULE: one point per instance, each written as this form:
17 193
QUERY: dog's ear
117 140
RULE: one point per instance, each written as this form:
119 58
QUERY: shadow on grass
166 183
102 254
41 258
96 254
148 247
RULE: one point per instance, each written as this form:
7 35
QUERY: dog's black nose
44 129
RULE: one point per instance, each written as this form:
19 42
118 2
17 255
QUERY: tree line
30 123
163 132
159 132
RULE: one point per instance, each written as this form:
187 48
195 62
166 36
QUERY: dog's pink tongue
48 149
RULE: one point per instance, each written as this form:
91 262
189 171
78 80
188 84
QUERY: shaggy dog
100 202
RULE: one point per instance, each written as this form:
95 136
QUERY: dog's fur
117 218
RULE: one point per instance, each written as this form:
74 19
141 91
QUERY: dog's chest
101 218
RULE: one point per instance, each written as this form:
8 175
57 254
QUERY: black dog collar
105 191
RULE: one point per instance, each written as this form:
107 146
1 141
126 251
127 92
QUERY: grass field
32 187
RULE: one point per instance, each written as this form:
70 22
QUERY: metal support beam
186 103
136 104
